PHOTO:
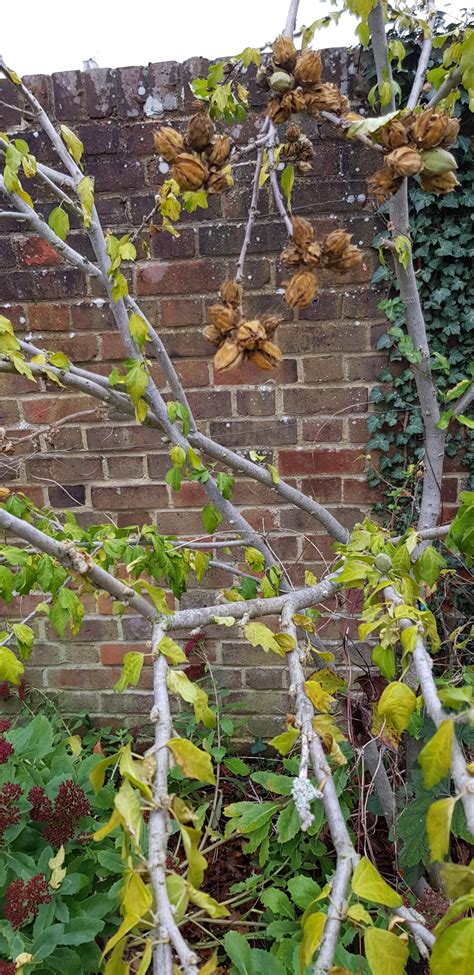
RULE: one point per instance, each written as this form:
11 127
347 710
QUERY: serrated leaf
385 953
435 757
259 635
438 827
178 683
278 902
370 886
195 763
24 636
320 698
430 564
206 902
457 879
358 913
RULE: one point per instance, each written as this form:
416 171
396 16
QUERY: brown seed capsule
229 356
404 161
308 68
383 184
301 289
220 181
200 129
312 254
334 245
349 258
452 132
222 318
293 132
231 292
249 334
432 128
277 111
212 335
188 171
393 135
303 232
270 323
324 98
284 52
444 183
219 150
294 100
168 142
267 356
291 256
303 167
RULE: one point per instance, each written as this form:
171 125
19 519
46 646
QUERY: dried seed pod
293 132
334 245
168 142
308 68
189 171
270 323
437 161
404 161
232 293
451 133
212 335
277 111
220 180
281 81
249 334
219 150
345 106
383 184
303 167
284 52
303 232
267 356
262 78
294 100
312 254
349 258
229 356
301 289
200 129
432 129
222 318
442 183
393 135
324 98
291 256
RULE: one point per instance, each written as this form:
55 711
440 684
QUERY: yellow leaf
359 914
195 763
85 192
457 879
397 705
260 635
286 741
136 896
197 863
385 953
453 951
97 775
178 895
210 966
312 934
435 757
438 827
127 804
130 921
58 872
320 698
113 823
115 964
145 960
74 145
370 886
75 744
179 683
135 771
206 903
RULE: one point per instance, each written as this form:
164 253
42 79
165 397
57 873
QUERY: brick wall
309 416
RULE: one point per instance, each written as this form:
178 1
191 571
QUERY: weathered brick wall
309 416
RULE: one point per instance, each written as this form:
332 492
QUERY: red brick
35 252
122 438
126 467
249 375
362 304
97 679
254 433
323 489
78 348
365 367
322 430
66 470
182 311
112 654
91 316
357 490
320 461
322 369
256 402
322 337
358 429
130 497
180 277
51 408
165 246
331 399
210 403
72 496
48 317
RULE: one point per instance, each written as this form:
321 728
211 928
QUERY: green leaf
238 951
303 890
58 220
249 55
278 902
138 330
59 360
438 827
370 886
435 757
384 659
211 518
225 484
453 950
397 705
74 145
385 953
119 287
85 192
248 817
206 903
131 670
313 929
287 180
457 879
286 741
7 582
11 669
430 564
193 200
288 823
280 785
236 766
197 863
195 763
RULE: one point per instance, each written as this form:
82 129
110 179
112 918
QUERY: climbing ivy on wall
442 262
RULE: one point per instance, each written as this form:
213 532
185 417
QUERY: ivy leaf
385 953
438 827
58 220
11 669
453 950
131 671
435 757
195 763
74 145
370 886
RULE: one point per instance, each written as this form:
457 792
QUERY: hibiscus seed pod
212 335
189 171
267 356
404 161
229 356
393 135
301 289
291 256
431 128
303 167
222 318
350 258
270 324
303 232
383 184
281 81
200 129
168 142
308 68
284 52
277 111
293 132
443 183
249 334
294 100
438 161
219 150
323 98
312 254
231 292
334 244
452 132
220 181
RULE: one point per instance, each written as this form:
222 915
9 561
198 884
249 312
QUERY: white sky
57 37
